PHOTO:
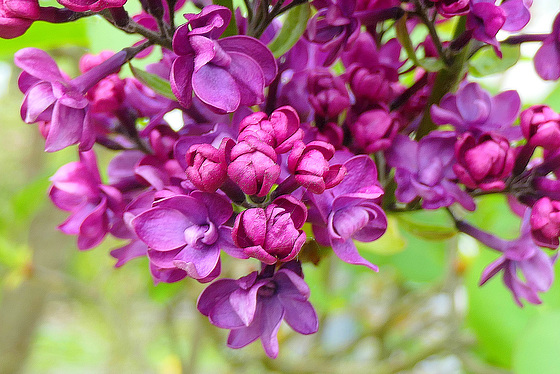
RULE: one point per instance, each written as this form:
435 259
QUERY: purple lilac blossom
327 93
547 58
16 16
452 8
472 109
540 125
207 166
274 233
545 222
425 169
484 162
50 96
92 5
309 163
224 74
349 211
518 255
374 130
187 232
254 306
94 207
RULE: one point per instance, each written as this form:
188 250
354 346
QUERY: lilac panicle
254 306
425 169
223 73
519 255
16 16
274 233
484 162
187 233
51 97
350 211
472 109
77 188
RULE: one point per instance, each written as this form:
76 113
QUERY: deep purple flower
207 166
253 307
274 233
545 222
224 74
93 5
371 85
280 131
309 163
519 255
473 110
350 211
547 58
254 166
334 27
327 93
16 16
374 130
50 96
94 207
540 125
484 162
187 232
425 169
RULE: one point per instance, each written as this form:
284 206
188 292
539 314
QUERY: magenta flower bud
545 222
371 85
272 234
16 16
281 131
374 130
309 163
452 8
93 5
484 162
207 166
253 166
327 93
541 127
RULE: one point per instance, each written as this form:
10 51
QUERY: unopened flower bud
541 127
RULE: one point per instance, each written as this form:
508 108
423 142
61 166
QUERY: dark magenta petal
181 79
161 228
216 87
248 77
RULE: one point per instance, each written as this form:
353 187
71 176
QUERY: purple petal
547 61
38 63
215 292
65 129
300 315
216 87
161 228
347 252
37 100
249 78
134 249
181 79
198 262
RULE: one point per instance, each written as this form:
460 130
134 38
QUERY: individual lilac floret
485 19
51 97
187 232
519 255
473 110
484 162
16 16
540 125
274 233
309 163
281 131
374 130
452 8
253 306
350 211
254 166
207 166
77 188
547 58
327 94
425 169
545 222
334 27
93 5
223 73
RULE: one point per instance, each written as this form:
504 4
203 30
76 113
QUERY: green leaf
485 61
232 27
293 28
536 350
159 85
427 225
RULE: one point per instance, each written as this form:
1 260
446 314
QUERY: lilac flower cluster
317 144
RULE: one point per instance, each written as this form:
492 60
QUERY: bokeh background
66 311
